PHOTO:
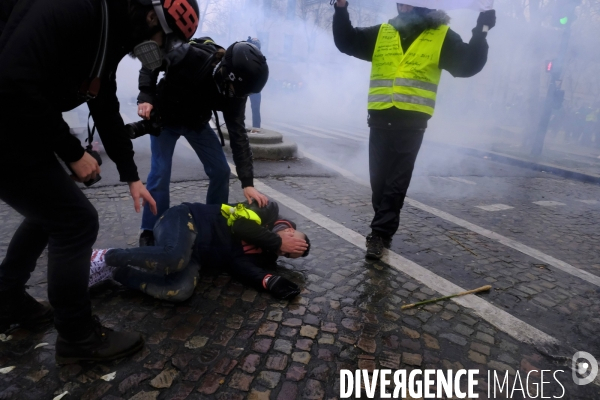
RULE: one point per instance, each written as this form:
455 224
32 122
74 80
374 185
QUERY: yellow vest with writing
407 81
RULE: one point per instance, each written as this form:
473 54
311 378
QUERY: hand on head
293 243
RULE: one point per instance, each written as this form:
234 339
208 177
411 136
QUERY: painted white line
339 132
286 131
547 259
495 207
548 203
328 135
497 317
590 202
461 180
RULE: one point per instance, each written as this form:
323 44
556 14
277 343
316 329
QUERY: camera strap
219 128
91 132
91 86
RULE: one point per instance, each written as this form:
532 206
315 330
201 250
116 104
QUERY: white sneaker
99 271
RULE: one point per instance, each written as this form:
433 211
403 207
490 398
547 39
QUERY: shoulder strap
90 88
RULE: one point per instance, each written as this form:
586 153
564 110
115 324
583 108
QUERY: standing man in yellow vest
408 55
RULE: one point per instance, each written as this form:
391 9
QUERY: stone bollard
266 144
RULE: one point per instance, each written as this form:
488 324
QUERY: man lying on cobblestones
244 239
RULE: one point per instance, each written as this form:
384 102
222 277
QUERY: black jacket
233 248
462 60
47 50
187 95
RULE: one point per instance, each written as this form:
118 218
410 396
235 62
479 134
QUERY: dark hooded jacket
461 59
188 94
47 50
227 247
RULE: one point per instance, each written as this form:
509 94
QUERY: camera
96 155
152 126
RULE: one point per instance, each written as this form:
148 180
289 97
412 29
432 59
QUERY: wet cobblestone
231 342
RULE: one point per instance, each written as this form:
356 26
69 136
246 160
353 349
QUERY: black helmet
176 16
246 67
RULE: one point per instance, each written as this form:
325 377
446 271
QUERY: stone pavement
231 342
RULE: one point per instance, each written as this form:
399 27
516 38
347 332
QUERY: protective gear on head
176 16
244 67
418 10
282 288
149 53
487 18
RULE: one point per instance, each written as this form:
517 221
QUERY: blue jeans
208 148
255 99
171 273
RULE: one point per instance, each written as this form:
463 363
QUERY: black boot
374 247
17 307
102 344
146 238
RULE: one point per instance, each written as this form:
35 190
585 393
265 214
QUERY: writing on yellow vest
234 213
408 81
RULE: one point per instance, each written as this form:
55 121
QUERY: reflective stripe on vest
408 81
234 213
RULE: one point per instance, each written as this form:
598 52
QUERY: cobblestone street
231 342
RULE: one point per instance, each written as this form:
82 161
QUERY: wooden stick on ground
478 290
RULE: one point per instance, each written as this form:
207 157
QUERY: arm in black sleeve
108 120
25 70
253 233
357 42
234 115
246 269
461 59
147 85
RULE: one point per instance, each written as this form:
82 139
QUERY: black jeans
392 156
165 270
57 214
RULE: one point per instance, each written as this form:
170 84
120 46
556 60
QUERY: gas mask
149 53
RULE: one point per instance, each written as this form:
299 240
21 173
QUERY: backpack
209 47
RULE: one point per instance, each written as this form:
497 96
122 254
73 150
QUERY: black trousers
392 156
58 215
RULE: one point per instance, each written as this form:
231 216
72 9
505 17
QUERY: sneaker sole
73 360
372 256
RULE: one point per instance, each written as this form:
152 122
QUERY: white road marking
545 258
320 135
328 135
461 180
549 203
495 207
497 317
590 202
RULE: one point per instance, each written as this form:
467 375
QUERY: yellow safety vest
234 213
408 81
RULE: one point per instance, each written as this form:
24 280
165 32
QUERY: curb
524 163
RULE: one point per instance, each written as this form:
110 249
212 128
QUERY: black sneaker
387 243
17 307
374 247
103 344
146 238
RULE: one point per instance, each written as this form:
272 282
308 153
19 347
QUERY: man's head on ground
294 244
243 70
159 28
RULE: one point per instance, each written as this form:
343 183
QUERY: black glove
282 288
486 18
